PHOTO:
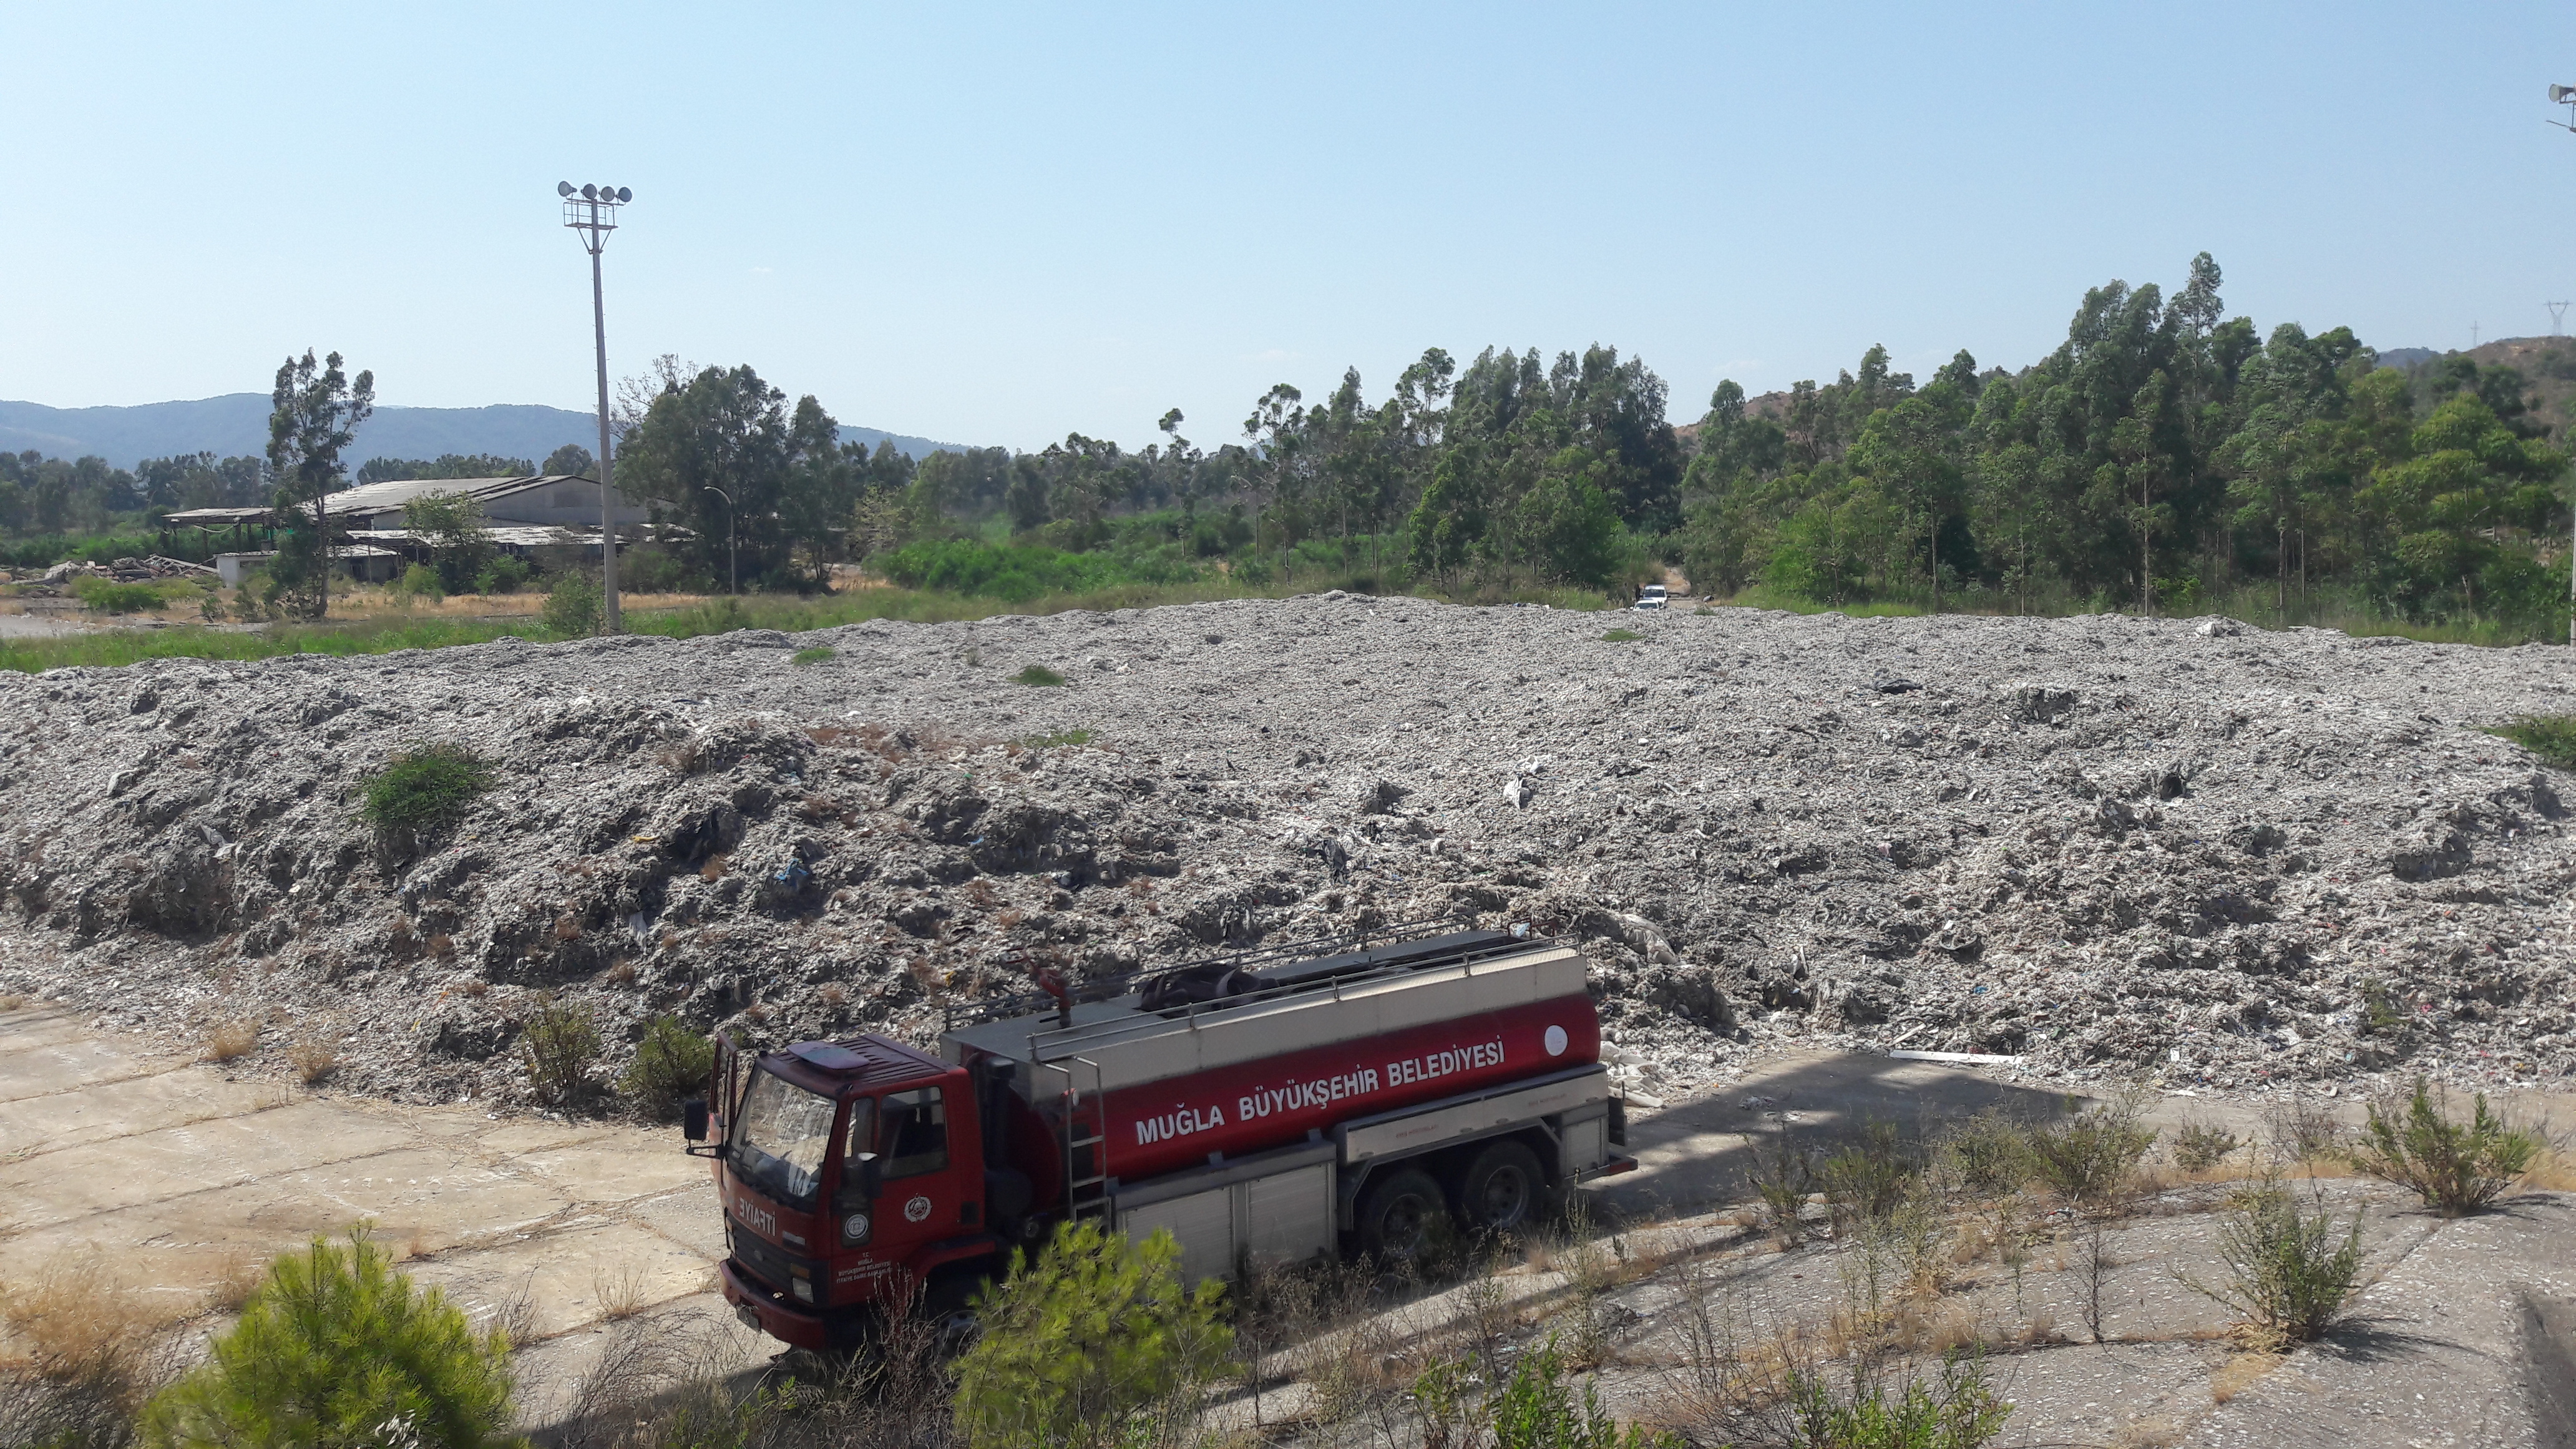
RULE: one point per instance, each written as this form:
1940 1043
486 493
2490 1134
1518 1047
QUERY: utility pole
593 213
2566 96
2558 319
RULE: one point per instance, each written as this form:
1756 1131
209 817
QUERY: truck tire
1502 1190
1398 1215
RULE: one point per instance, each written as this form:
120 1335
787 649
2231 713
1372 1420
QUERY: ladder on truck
1086 1141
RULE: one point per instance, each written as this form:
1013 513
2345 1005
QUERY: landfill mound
2105 845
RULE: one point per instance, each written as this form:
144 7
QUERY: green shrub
1057 740
559 1043
109 597
2551 737
573 606
420 581
671 1066
426 787
1989 1155
1870 1177
815 655
1621 636
2456 1168
505 574
2092 1157
1038 674
1075 1350
336 1348
2288 1272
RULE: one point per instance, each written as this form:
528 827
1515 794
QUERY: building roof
515 535
213 517
390 497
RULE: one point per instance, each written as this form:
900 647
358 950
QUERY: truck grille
772 1265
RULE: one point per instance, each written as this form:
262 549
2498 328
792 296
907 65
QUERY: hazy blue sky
995 224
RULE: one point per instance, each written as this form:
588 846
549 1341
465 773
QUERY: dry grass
2146 1434
313 1059
82 1325
620 1290
833 996
515 1315
2240 1373
714 869
980 894
621 973
12 1002
2553 1171
232 1039
567 928
471 985
237 1277
417 1244
443 946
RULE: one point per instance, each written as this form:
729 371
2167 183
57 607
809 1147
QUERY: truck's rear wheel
1503 1189
1398 1214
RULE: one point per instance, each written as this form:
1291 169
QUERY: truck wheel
945 1306
1396 1219
1502 1190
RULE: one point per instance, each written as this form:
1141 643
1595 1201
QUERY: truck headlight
802 1289
854 1228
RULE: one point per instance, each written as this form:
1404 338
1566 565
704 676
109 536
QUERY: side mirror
693 1120
867 1177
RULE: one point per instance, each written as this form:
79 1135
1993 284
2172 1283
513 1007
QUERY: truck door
919 1197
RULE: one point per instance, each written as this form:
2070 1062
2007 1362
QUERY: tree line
2165 457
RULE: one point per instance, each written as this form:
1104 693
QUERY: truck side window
861 1141
915 1139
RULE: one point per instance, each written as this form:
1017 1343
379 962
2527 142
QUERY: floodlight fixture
563 188
2559 95
624 195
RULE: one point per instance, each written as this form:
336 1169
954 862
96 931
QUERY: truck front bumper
758 1307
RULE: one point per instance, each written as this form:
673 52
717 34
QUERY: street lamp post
592 211
733 560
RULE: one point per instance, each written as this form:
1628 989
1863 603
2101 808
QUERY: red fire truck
1266 1108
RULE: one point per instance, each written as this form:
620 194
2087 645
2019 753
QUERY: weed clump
2551 737
815 655
1620 636
1038 675
427 787
671 1065
2457 1168
2199 1147
1059 739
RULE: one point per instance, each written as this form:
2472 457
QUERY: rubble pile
2104 845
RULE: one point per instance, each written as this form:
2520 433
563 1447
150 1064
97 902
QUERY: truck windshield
779 1138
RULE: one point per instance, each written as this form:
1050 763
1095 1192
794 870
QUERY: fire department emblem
917 1209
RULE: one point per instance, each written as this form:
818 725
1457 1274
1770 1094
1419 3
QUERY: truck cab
850 1177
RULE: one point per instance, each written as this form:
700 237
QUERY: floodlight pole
593 213
2566 96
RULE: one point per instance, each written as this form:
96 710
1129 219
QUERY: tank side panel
1266 1030
1275 1099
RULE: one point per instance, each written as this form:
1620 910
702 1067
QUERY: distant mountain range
237 423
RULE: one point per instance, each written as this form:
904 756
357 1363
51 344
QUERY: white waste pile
2105 845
